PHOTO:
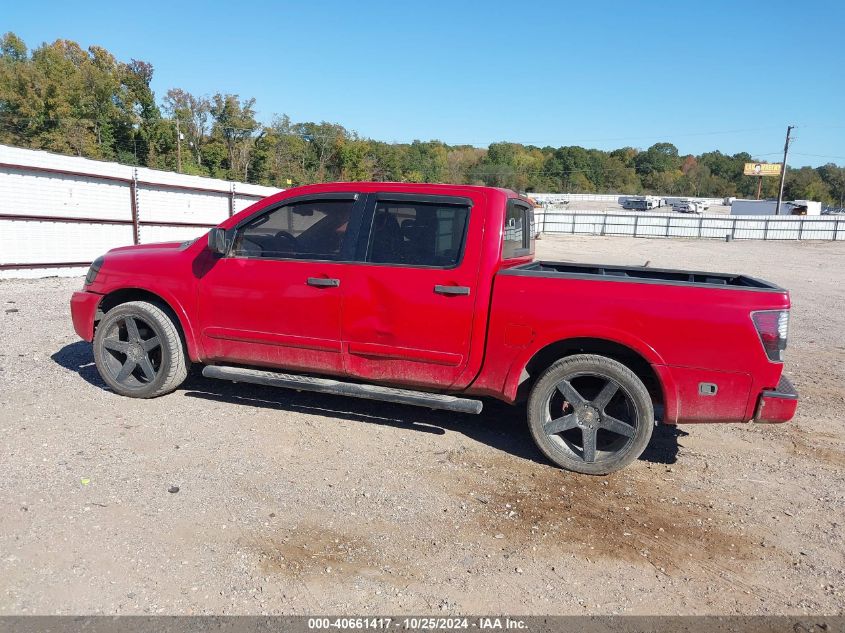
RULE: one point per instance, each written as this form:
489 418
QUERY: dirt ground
298 503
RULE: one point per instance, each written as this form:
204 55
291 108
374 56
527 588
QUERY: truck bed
639 274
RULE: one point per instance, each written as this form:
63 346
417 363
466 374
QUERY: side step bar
337 387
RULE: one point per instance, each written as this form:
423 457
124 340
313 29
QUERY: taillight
772 326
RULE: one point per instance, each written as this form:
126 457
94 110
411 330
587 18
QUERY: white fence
58 213
557 198
746 227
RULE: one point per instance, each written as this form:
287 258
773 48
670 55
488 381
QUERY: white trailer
768 207
806 207
686 205
640 203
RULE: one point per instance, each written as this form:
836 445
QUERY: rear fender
516 372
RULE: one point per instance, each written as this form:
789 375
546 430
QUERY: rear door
276 298
408 308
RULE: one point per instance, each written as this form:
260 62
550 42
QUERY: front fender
192 343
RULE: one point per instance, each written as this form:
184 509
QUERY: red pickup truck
430 295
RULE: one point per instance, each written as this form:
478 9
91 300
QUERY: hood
155 246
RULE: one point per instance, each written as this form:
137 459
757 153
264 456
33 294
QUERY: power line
818 155
639 138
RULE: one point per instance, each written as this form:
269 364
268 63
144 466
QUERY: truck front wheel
590 414
139 352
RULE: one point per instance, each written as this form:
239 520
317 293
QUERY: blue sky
703 75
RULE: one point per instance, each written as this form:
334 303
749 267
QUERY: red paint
421 338
728 404
777 407
261 312
687 334
385 323
83 308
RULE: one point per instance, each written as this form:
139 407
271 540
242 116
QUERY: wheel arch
644 363
172 307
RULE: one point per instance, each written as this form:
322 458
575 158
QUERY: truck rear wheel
139 352
590 414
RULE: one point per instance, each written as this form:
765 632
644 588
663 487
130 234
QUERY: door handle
451 290
322 282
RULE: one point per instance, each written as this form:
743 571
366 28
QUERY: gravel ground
298 503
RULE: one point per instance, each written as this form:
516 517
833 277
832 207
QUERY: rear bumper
777 405
83 310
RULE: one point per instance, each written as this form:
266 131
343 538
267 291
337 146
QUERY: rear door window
414 233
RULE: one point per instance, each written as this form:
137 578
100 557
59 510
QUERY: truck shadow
499 425
79 357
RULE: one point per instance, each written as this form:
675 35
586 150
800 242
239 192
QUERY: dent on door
384 325
403 345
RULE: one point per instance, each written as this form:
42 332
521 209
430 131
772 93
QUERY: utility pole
178 147
789 129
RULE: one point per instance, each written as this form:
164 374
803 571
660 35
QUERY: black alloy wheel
590 414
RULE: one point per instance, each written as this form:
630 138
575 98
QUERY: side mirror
217 242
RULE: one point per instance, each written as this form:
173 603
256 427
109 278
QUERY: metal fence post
733 228
231 200
636 223
765 229
604 224
700 222
836 230
801 229
668 222
133 196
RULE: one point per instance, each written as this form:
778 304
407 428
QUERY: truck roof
410 187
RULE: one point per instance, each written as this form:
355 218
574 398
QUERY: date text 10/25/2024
417 624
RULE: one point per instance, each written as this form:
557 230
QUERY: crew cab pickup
430 295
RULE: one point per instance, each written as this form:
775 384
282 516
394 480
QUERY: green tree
806 184
834 177
235 124
425 161
619 177
194 116
659 158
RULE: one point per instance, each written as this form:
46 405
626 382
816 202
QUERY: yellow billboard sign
762 169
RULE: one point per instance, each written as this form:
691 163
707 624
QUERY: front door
275 300
408 307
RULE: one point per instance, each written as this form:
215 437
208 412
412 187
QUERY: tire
139 352
590 414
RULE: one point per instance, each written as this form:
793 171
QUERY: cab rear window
519 230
